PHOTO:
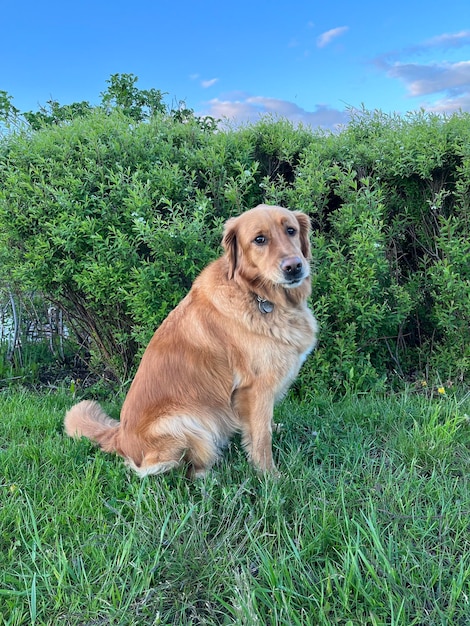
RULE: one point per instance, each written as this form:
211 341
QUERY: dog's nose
292 267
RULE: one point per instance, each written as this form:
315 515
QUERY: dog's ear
304 233
230 245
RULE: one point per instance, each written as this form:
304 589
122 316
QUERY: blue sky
307 61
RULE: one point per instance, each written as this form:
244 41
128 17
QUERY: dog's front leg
255 410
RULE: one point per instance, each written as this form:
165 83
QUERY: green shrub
112 215
111 211
389 198
359 305
113 220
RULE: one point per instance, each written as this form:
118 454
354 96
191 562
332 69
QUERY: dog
222 357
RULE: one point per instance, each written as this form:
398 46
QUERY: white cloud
433 78
325 38
449 40
205 83
449 105
446 41
208 83
248 108
448 80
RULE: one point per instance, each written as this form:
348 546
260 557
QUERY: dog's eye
260 240
291 231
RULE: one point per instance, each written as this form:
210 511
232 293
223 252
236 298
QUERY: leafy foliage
138 104
389 199
111 211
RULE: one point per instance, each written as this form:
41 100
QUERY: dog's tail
87 419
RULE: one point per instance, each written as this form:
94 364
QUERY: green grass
368 524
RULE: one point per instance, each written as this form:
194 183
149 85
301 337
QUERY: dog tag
264 305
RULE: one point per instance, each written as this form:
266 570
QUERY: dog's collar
265 306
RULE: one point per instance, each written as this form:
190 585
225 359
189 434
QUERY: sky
308 61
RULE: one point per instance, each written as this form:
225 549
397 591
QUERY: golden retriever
221 358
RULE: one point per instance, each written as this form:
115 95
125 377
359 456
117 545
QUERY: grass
369 523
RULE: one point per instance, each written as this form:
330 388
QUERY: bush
113 220
112 217
389 200
359 304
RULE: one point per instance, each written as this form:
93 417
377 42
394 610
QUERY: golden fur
222 357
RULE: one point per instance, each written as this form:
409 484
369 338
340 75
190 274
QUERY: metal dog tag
264 305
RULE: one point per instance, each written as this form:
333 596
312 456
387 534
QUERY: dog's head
269 246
